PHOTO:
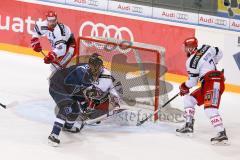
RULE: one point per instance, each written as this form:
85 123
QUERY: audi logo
93 3
104 31
101 30
137 9
220 22
182 16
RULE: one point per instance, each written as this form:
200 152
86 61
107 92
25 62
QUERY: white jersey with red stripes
204 60
59 39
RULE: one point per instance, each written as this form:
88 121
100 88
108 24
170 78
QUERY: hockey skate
221 138
187 129
53 140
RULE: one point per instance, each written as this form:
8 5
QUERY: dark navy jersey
79 76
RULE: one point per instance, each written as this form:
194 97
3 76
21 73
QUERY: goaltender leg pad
104 106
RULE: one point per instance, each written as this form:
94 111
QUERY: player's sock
188 126
57 127
189 114
215 118
53 137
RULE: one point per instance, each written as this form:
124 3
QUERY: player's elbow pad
191 83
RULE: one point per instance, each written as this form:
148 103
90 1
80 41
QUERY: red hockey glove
35 43
183 89
50 58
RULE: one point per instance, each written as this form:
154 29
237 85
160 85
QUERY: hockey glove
114 101
183 89
99 100
35 43
50 58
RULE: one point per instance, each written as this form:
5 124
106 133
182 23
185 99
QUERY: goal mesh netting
140 68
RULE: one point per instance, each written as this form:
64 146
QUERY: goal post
140 67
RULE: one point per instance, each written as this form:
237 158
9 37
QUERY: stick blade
139 123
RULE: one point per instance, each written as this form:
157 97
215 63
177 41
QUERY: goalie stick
103 117
150 116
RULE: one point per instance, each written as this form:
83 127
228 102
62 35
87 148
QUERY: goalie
86 91
104 93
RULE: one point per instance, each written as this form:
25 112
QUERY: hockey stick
100 118
104 117
150 116
2 105
9 105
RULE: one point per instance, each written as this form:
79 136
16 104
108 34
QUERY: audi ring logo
110 32
182 16
104 31
92 3
137 9
220 22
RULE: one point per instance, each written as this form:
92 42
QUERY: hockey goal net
140 68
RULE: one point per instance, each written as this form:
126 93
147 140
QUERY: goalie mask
95 65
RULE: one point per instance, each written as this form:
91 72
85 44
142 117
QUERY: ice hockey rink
25 126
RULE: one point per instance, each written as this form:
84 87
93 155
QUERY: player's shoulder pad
83 67
106 74
41 27
64 30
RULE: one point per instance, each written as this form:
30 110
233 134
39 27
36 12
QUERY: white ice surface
24 128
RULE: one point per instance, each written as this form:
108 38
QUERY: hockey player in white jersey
201 66
60 37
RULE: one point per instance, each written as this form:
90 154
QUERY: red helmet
51 15
191 42
51 19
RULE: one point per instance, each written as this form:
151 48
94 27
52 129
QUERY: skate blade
222 143
53 144
71 131
184 134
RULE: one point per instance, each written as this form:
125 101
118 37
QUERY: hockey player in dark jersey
78 88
